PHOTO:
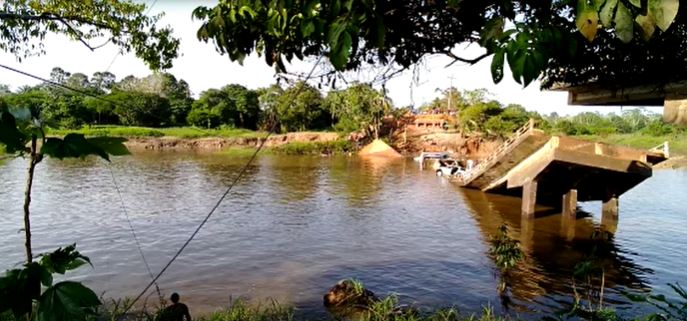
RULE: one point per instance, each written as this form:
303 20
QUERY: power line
88 94
224 195
120 52
133 231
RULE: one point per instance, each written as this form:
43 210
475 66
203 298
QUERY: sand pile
379 148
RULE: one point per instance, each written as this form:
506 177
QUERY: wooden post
529 198
570 204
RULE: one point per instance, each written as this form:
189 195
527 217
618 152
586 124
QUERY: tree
212 108
164 85
451 99
358 108
530 35
24 24
247 104
103 81
300 108
268 98
140 109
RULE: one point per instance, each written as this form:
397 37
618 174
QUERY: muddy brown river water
294 226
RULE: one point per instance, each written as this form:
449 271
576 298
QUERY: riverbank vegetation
161 105
162 101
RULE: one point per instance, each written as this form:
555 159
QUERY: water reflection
553 245
294 226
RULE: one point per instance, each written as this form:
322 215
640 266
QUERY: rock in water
379 148
344 295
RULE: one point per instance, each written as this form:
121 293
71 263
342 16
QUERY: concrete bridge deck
558 171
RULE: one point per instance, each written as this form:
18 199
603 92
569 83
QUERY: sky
203 67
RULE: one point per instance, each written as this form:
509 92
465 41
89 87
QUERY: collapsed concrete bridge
559 171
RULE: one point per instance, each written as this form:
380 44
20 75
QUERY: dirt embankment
473 146
213 144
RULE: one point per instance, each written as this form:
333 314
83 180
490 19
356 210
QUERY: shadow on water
553 245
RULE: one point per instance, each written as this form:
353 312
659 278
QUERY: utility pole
450 93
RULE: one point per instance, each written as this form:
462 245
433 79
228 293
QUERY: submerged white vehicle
448 167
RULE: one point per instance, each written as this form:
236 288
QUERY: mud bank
214 144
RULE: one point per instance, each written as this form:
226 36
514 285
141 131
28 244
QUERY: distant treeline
161 100
477 112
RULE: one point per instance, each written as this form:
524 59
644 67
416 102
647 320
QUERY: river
294 226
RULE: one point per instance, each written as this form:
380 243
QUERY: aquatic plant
507 254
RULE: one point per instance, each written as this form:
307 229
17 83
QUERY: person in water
175 312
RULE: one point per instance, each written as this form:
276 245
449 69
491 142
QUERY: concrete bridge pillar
610 207
529 198
609 215
570 204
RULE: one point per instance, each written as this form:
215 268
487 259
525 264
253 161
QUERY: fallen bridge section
559 171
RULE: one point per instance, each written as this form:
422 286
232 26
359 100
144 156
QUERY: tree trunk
35 158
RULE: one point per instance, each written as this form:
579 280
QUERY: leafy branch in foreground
21 290
24 24
352 33
30 292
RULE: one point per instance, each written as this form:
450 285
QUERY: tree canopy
532 36
24 25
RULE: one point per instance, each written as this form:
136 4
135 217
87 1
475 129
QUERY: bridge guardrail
497 154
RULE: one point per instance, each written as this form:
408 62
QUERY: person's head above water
175 298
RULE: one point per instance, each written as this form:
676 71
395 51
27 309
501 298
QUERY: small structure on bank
378 148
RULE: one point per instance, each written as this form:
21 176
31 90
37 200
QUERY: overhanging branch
468 61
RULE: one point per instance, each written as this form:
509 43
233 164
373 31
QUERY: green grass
241 151
677 142
315 148
180 132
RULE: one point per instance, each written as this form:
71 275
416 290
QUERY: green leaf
636 3
587 20
63 259
647 25
493 29
307 28
623 23
607 12
497 66
10 136
73 145
244 9
67 301
664 12
339 55
18 289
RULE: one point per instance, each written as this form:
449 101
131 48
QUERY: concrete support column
568 228
529 198
609 215
610 208
570 204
